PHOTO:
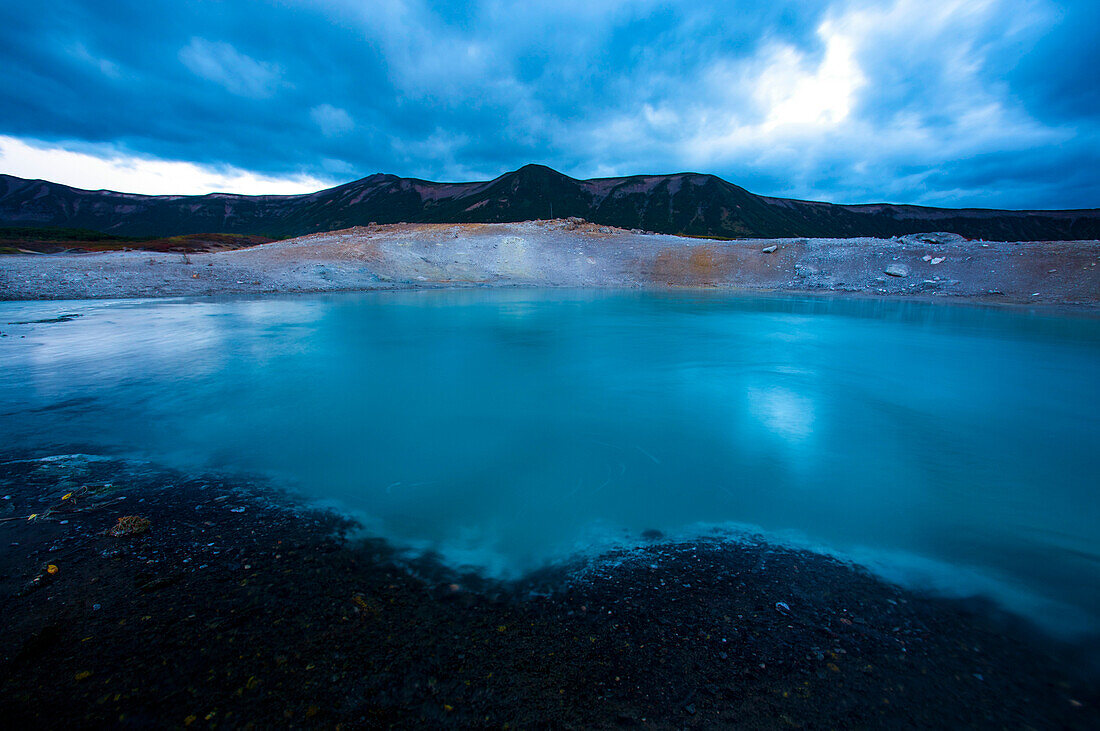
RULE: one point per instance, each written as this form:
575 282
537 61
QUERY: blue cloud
224 65
929 101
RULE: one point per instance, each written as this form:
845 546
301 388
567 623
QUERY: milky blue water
947 445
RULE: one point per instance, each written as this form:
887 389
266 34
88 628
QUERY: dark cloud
959 102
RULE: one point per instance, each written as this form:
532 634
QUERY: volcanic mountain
685 203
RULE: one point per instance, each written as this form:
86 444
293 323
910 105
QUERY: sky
991 103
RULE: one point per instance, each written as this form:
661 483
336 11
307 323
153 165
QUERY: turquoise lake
943 446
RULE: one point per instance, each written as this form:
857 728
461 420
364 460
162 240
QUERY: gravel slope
573 254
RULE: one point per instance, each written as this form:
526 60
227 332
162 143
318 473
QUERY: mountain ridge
694 204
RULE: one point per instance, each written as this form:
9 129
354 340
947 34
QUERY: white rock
769 249
897 270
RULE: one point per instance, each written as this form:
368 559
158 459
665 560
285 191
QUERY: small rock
938 260
926 257
130 525
897 270
783 608
769 249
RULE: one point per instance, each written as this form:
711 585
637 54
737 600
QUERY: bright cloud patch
780 95
224 65
109 169
794 92
332 120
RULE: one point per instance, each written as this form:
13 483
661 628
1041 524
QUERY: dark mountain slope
685 203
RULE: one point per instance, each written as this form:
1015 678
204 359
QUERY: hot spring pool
952 446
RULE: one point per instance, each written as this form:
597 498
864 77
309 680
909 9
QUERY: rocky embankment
572 253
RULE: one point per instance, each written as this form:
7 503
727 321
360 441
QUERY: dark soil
238 608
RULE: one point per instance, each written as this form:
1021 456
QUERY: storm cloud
943 102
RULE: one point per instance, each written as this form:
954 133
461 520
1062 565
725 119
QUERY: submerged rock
130 525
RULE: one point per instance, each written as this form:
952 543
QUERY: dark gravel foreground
238 609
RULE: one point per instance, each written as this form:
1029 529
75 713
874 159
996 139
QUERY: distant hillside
686 203
50 240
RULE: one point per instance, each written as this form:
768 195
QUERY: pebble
897 270
769 249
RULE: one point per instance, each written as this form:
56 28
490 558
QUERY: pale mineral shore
563 253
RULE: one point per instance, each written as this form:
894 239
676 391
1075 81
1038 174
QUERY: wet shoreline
239 608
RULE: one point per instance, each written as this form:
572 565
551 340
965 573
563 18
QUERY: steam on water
507 428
